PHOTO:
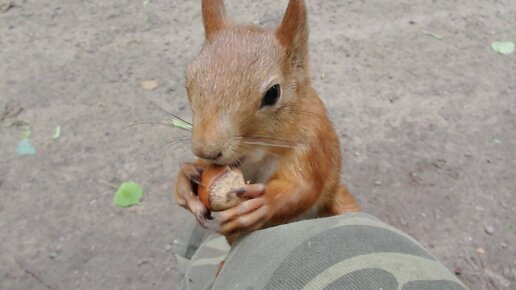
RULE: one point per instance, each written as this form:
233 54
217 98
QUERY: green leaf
57 132
25 148
26 133
128 194
503 47
181 124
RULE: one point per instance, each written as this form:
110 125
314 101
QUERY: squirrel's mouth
233 164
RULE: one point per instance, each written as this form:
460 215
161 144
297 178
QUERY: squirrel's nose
207 141
211 155
206 153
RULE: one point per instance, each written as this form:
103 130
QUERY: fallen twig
34 274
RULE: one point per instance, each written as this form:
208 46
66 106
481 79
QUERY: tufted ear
293 32
214 16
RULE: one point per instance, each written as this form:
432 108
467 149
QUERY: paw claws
195 179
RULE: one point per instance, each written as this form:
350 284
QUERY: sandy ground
428 130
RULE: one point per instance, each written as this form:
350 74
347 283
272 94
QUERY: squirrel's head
247 84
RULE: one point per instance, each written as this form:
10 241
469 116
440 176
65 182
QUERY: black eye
271 97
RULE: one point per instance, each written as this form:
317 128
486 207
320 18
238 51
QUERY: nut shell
217 182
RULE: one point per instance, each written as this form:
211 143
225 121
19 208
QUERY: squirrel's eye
271 97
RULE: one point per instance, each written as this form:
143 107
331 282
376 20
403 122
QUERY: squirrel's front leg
279 201
190 174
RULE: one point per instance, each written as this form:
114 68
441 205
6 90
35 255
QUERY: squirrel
254 109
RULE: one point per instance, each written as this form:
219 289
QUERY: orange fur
226 84
214 15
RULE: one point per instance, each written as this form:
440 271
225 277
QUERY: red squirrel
254 108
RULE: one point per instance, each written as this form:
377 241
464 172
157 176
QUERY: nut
216 190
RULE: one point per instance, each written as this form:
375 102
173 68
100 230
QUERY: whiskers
173 144
271 142
172 121
140 123
257 142
310 114
268 144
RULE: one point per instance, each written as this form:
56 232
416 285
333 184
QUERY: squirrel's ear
214 16
293 31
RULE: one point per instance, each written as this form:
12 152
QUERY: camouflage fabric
353 251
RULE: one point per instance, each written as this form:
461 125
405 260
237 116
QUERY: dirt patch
428 130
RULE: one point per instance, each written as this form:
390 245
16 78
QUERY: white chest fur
259 166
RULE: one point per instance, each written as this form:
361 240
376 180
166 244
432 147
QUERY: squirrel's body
254 108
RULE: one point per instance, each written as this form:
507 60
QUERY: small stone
457 271
481 251
504 245
53 255
378 183
489 230
149 85
437 214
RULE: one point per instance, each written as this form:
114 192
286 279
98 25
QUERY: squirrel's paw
185 197
249 215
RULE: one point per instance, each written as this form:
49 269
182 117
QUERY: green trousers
352 251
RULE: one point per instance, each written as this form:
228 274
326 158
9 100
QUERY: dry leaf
434 35
57 132
11 110
149 85
4 7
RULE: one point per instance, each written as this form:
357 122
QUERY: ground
427 125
